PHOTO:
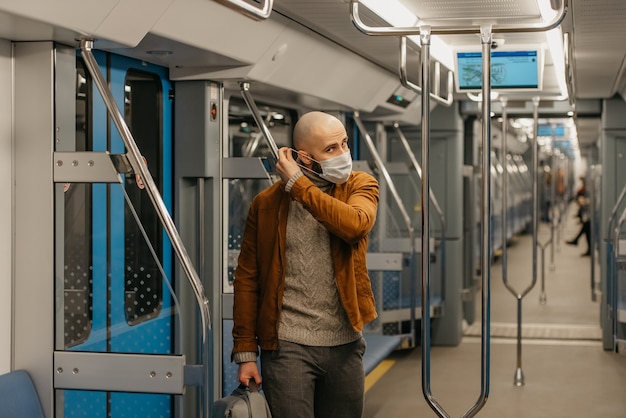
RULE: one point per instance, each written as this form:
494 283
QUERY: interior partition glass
390 237
405 173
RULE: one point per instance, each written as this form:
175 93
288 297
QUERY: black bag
243 402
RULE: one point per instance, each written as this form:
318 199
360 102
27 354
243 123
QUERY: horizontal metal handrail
141 168
404 79
451 26
248 10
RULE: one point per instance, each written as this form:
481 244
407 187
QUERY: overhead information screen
510 70
550 130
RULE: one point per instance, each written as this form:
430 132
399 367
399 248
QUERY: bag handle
252 385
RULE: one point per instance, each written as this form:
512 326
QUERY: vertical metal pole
485 267
553 212
425 224
560 204
592 232
535 221
615 293
543 298
505 188
543 273
201 225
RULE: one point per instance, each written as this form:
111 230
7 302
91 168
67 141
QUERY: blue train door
117 295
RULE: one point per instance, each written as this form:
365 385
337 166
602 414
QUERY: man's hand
286 165
248 370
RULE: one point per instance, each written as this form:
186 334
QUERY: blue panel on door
111 331
154 335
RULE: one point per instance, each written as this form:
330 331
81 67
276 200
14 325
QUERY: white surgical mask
337 169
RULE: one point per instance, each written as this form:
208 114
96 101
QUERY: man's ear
305 157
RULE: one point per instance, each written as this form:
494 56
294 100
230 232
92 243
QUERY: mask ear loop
297 160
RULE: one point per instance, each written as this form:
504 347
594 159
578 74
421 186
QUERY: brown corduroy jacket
348 212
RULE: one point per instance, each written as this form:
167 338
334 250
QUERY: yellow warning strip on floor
377 373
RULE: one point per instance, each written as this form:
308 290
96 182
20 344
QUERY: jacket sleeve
351 215
246 285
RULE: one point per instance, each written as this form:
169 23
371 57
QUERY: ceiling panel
599 46
588 130
474 9
331 18
599 31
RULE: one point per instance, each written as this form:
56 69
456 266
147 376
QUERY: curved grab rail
140 167
485 227
381 166
435 202
485 262
535 221
616 207
258 118
518 379
248 10
485 29
418 169
617 231
250 148
404 79
405 214
441 29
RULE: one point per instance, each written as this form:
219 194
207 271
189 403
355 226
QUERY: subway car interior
134 135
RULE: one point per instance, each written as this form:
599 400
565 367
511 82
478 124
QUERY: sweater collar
323 185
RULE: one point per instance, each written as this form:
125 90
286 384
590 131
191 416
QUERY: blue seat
18 397
378 348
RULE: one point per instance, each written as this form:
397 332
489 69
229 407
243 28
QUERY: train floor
567 373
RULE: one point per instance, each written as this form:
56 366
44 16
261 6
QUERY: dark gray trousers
301 381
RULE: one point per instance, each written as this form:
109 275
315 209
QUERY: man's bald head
315 127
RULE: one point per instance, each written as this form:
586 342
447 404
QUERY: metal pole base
518 380
543 299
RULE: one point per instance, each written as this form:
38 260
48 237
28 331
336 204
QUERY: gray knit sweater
312 313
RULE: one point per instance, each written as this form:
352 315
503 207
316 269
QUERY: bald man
302 290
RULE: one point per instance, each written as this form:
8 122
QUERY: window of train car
77 288
245 140
143 282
